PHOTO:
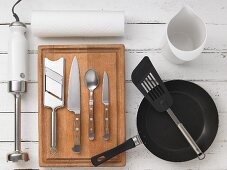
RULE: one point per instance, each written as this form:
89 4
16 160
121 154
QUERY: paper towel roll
77 23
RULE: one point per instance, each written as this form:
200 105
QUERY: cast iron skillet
195 109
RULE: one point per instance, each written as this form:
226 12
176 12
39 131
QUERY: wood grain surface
109 58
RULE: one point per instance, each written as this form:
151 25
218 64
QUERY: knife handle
106 135
76 134
91 123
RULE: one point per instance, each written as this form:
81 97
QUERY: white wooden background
146 21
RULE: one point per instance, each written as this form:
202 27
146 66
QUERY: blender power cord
14 14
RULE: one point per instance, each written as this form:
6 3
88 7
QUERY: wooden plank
137 37
109 58
139 157
143 11
209 66
29 101
30 147
217 90
29 126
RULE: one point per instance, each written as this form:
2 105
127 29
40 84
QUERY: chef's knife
74 101
105 101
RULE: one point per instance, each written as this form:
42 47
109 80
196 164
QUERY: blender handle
18 52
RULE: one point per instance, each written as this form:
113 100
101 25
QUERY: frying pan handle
103 157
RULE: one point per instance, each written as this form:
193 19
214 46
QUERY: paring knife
74 101
105 101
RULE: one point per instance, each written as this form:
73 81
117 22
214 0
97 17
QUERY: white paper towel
77 23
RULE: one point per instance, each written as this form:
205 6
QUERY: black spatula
147 80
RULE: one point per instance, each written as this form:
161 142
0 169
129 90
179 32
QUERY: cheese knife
105 101
74 102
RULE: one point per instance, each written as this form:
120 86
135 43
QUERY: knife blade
105 101
74 101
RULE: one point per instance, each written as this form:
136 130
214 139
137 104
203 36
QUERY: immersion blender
18 73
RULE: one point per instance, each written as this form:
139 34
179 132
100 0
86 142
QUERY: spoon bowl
91 79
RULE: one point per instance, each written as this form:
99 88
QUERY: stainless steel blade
105 89
53 83
74 88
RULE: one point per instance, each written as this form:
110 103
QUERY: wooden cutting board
109 58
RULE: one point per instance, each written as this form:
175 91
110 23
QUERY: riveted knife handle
76 133
106 135
91 130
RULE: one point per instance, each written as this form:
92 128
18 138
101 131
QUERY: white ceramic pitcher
185 37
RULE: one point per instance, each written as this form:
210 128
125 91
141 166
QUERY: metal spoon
91 81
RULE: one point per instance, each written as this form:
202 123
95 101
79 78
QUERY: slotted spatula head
149 83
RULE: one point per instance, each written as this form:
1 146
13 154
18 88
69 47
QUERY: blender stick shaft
17 122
